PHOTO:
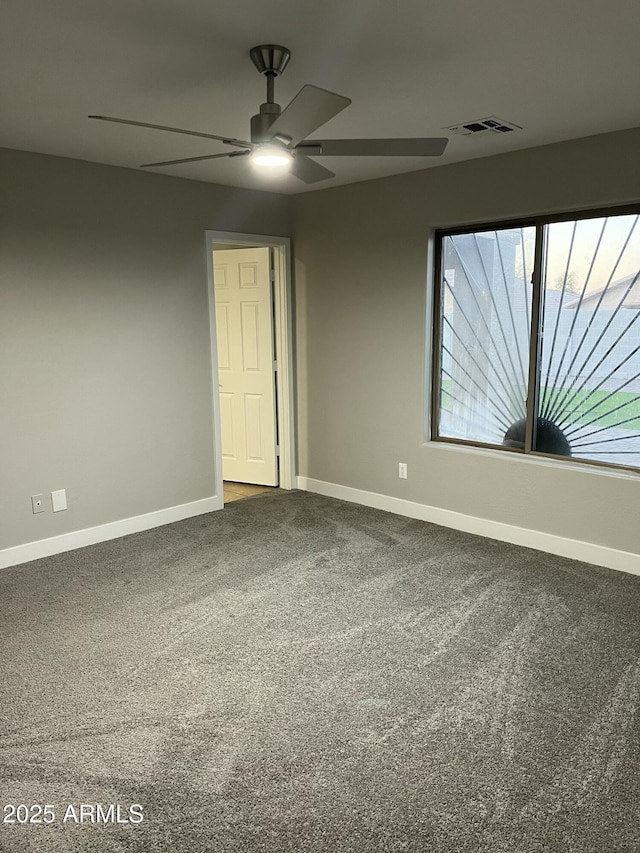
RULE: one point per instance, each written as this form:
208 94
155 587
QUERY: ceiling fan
279 137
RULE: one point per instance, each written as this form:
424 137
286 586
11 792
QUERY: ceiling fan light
271 157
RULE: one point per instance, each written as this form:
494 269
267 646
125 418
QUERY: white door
244 323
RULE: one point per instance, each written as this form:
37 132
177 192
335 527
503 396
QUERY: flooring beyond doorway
238 491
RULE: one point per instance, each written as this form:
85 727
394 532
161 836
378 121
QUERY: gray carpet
297 673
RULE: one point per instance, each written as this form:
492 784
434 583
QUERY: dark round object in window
549 438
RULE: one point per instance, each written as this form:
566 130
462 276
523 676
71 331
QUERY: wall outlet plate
37 503
402 470
59 500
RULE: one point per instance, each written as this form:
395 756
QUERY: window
537 337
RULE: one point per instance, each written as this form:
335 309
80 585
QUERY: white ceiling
561 69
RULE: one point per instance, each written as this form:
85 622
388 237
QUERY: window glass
589 387
584 402
485 331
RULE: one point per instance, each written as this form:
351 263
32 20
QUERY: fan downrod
270 60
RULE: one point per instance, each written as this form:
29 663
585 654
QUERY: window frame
539 222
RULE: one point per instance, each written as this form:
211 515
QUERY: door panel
222 331
244 323
226 418
253 420
249 273
250 320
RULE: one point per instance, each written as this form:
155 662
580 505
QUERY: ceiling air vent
483 126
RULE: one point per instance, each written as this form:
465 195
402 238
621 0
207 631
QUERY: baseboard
587 552
103 532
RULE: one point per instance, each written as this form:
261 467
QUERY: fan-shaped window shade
537 338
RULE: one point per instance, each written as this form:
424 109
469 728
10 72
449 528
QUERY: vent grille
483 126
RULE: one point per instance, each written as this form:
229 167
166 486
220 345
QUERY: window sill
532 459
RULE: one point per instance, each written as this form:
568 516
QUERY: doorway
251 344
242 284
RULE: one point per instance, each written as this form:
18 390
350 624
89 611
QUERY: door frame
283 333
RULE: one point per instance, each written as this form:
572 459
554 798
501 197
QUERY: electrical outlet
37 503
402 470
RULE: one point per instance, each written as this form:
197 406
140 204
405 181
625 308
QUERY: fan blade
310 109
309 171
193 159
228 140
375 147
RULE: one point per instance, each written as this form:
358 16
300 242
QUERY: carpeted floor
295 673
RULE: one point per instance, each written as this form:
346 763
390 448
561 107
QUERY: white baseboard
103 532
587 552
599 555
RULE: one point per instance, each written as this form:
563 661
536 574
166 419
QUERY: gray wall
362 292
105 385
104 373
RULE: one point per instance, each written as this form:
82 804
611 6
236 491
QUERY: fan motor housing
270 60
261 122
